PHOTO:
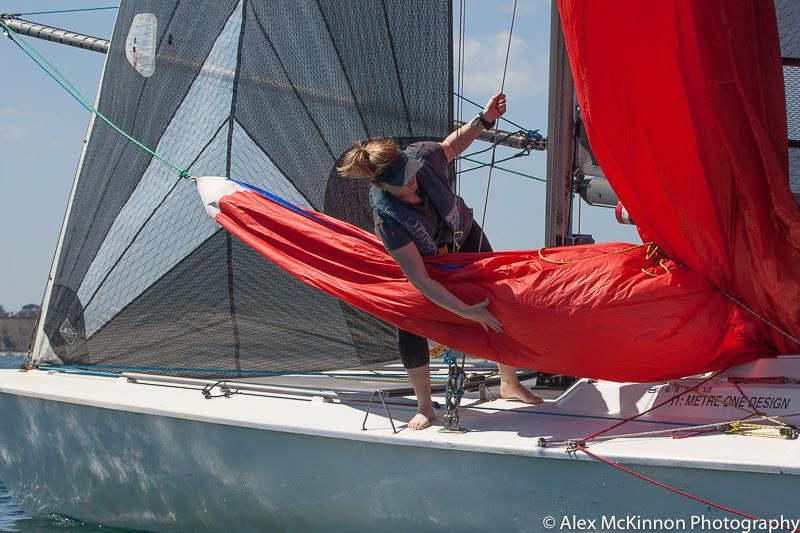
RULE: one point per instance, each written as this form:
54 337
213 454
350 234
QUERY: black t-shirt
392 234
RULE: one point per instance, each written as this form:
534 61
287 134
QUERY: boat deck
329 406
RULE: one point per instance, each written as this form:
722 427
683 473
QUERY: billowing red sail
610 311
684 107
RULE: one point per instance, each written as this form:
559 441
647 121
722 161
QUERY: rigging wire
476 104
498 161
73 91
454 388
500 140
673 489
497 126
581 445
448 356
763 319
462 22
484 164
63 11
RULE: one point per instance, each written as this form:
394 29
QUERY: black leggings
413 348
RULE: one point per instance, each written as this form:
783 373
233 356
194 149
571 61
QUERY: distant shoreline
16 334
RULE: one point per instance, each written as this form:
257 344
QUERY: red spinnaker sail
685 110
586 310
684 106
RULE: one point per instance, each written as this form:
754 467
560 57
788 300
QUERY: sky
42 131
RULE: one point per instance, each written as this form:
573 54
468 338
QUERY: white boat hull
150 471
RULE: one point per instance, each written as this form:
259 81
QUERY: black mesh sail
270 92
788 12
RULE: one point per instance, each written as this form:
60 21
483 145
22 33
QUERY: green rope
182 172
505 169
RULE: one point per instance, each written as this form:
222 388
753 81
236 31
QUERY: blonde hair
368 159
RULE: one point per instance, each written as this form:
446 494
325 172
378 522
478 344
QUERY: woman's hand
412 265
459 140
495 107
480 314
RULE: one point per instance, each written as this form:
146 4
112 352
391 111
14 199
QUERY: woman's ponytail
367 160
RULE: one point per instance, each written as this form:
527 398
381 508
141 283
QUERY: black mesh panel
788 13
291 325
141 106
183 313
270 92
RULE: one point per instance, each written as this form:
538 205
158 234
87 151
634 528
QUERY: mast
560 129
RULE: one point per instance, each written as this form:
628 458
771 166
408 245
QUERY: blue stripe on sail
311 216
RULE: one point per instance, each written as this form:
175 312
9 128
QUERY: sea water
12 518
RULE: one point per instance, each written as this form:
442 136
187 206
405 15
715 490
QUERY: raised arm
459 140
410 261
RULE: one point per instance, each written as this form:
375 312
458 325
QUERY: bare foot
422 419
517 391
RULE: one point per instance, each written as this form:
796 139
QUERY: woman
417 214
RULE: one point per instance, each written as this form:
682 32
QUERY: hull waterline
131 464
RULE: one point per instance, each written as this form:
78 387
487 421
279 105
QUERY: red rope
750 404
582 448
668 400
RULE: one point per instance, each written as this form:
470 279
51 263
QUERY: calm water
12 518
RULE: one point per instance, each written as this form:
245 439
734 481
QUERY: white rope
496 129
462 25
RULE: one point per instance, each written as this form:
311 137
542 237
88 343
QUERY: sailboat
181 381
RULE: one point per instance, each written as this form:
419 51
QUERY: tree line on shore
16 328
28 311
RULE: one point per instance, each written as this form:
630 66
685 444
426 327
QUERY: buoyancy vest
451 208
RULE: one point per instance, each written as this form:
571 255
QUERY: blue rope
75 93
297 209
311 216
46 71
86 370
65 11
116 370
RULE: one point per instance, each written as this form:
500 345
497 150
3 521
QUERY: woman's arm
410 261
459 140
